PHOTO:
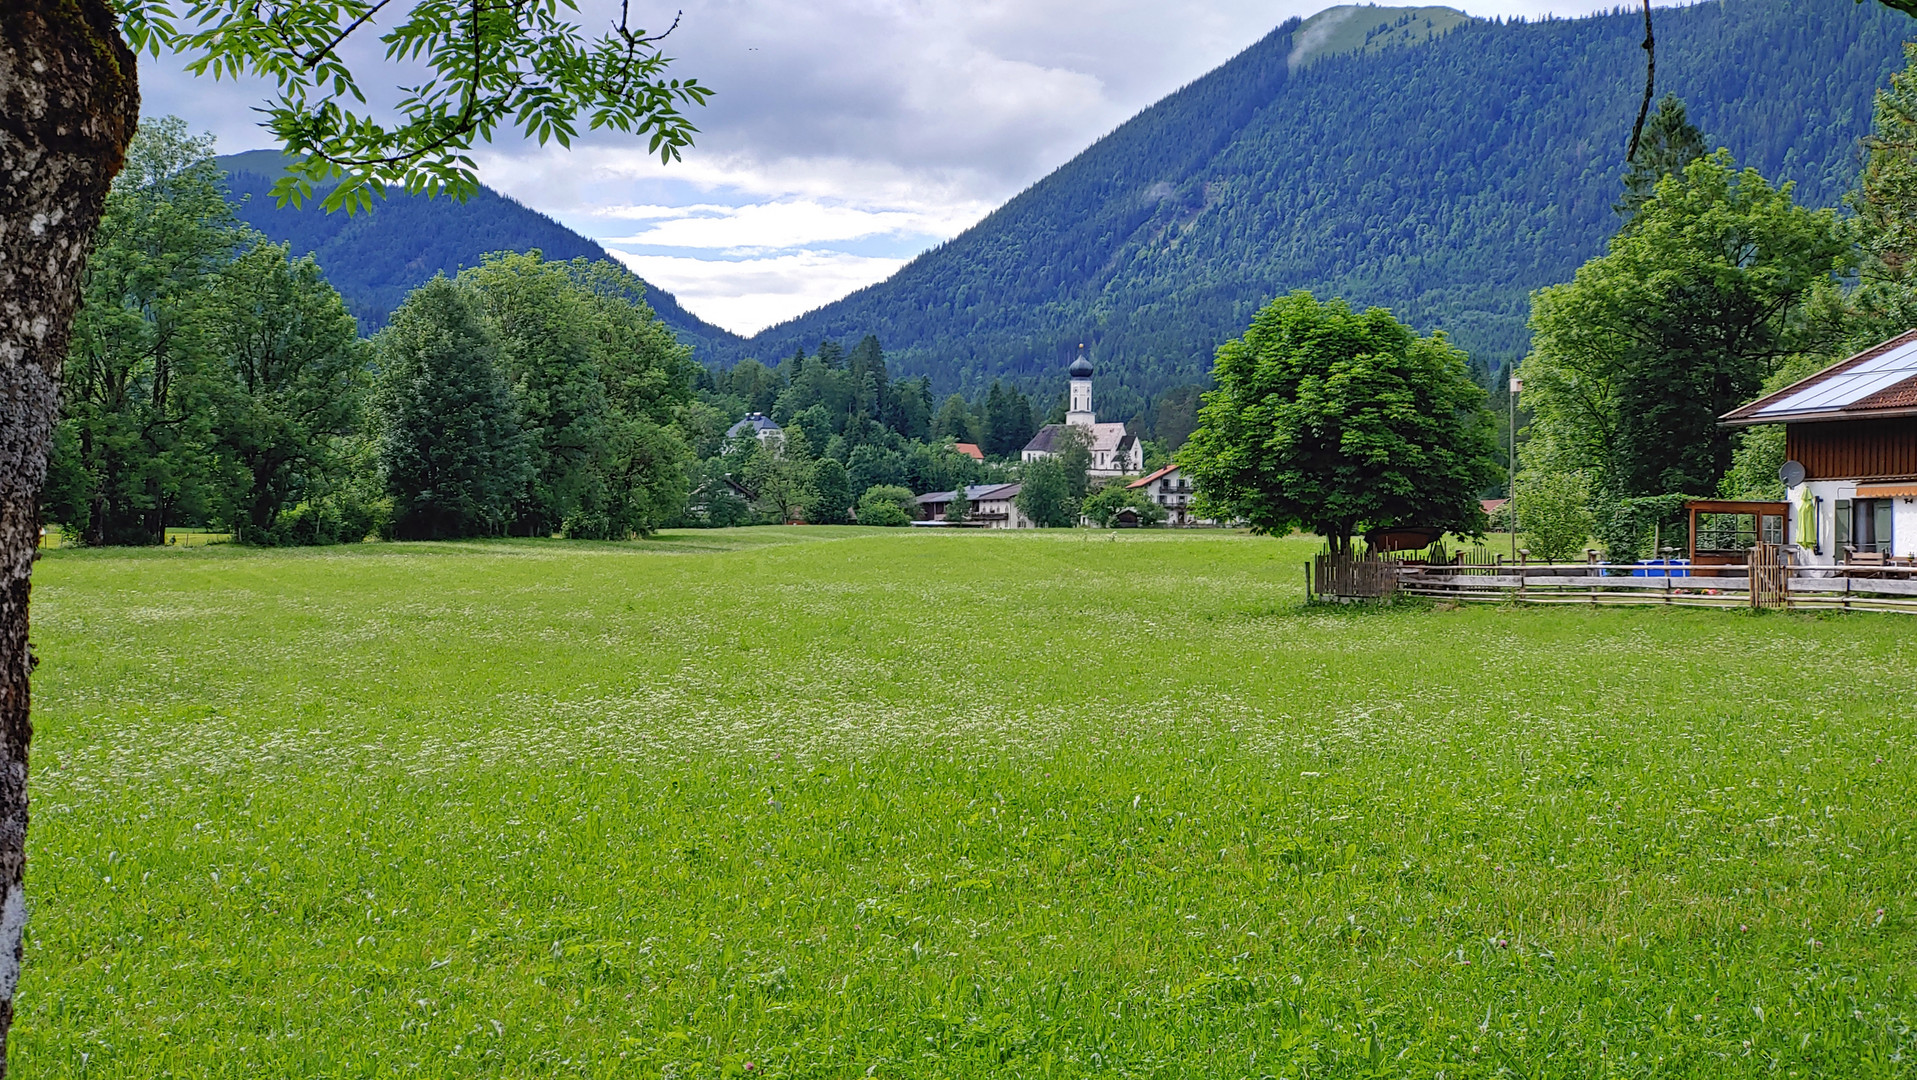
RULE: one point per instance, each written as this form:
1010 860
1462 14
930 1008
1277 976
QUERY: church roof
1081 368
1105 438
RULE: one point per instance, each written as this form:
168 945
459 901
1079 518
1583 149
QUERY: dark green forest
376 258
1444 182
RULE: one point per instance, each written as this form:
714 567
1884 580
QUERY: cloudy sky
846 135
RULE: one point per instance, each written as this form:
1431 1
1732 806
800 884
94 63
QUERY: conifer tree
450 445
955 421
1886 203
960 507
1670 143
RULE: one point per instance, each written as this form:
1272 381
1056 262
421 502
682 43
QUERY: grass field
845 803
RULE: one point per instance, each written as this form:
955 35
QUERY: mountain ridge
1444 182
376 257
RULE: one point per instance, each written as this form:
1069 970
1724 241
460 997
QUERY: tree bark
68 107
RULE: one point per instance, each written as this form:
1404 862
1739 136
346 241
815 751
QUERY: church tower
1080 413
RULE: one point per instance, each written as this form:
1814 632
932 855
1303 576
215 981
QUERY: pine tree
1886 205
1670 142
955 421
450 444
997 419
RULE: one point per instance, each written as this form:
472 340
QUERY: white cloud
792 224
747 295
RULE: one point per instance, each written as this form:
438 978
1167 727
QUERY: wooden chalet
1850 434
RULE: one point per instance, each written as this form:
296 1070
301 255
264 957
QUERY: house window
1773 529
1867 527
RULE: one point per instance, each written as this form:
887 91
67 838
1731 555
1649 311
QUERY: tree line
1718 286
215 380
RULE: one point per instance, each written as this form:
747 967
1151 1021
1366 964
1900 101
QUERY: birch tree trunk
68 107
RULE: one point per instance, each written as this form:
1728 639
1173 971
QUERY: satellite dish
1792 473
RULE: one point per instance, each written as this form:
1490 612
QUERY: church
1114 451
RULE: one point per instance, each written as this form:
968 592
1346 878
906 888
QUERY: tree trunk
68 107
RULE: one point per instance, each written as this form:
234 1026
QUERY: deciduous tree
886 504
1045 495
1678 322
1339 421
142 375
294 384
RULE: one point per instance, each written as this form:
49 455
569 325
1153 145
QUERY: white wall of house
1173 491
1013 518
1904 527
1828 553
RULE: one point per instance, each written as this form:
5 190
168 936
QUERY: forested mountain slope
1444 180
374 259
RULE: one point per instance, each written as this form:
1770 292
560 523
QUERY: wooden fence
1353 576
1766 579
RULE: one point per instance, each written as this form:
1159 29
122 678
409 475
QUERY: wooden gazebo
1723 531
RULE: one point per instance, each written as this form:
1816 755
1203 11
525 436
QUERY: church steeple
1080 410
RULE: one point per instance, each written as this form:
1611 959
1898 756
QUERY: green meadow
844 803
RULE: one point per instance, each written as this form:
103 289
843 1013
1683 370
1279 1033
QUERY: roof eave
1731 419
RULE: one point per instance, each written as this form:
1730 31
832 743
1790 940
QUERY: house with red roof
1172 490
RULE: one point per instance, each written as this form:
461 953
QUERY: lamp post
1511 474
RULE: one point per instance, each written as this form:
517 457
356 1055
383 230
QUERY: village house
1114 451
970 450
758 424
1170 489
994 506
1850 434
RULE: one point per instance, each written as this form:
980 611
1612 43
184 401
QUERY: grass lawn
846 803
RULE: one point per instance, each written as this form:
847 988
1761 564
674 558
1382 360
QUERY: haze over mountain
375 258
1442 173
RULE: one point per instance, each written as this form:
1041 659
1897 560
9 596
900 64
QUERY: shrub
1102 506
1626 526
1554 513
885 504
328 520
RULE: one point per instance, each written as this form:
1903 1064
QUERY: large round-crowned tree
69 103
1338 422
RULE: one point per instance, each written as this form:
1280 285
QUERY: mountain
1444 177
375 258
1367 28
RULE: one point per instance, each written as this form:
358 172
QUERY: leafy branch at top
518 64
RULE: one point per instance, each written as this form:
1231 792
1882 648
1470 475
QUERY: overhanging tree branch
1650 84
